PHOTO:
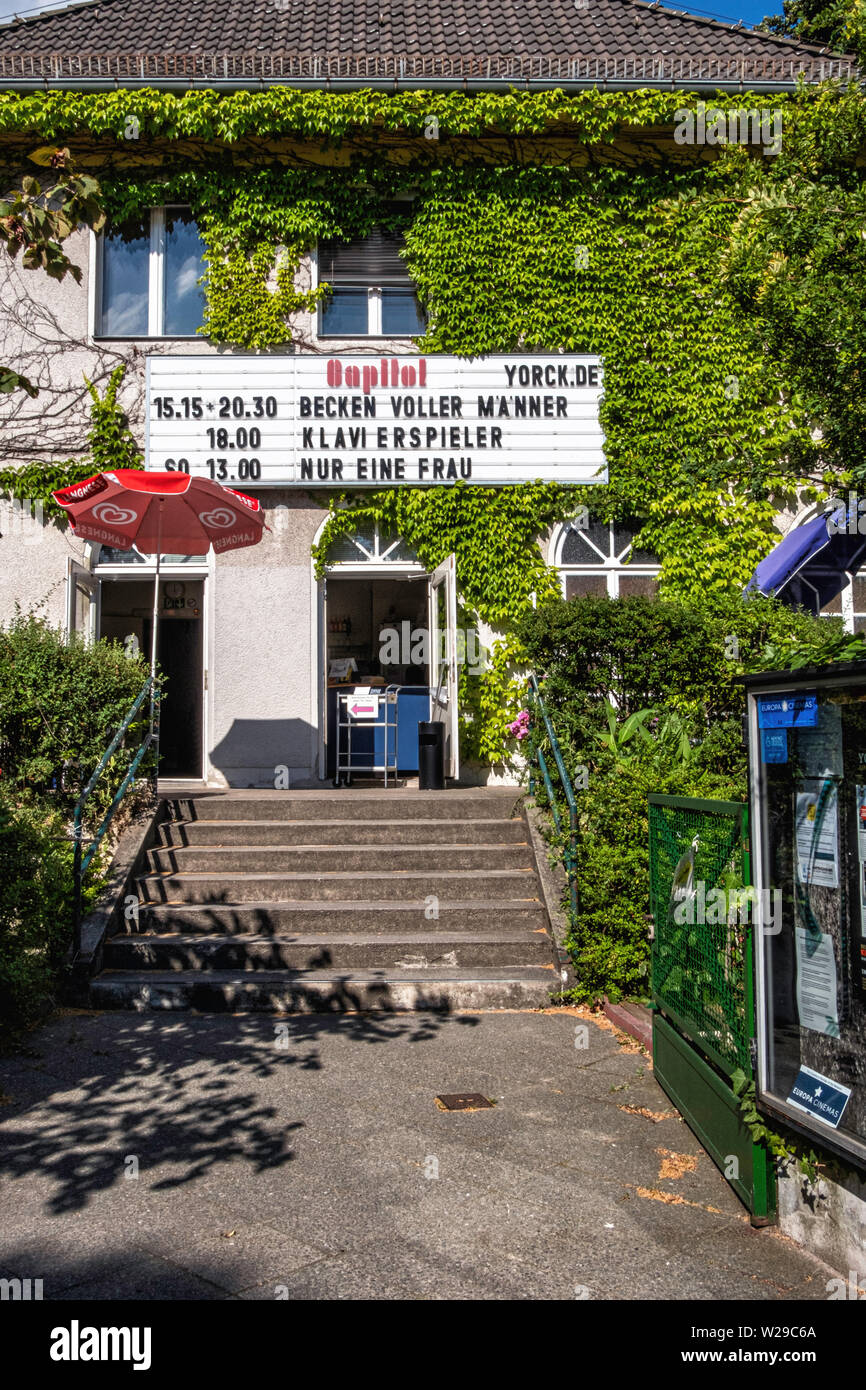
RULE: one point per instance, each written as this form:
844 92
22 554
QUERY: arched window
373 547
598 557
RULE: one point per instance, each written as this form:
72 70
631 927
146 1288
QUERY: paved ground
307 1159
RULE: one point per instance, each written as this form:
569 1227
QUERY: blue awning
813 563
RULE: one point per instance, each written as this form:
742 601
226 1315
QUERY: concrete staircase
336 900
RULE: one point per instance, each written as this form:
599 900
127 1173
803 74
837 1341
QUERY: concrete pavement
253 1157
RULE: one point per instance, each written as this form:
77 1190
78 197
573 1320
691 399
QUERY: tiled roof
543 40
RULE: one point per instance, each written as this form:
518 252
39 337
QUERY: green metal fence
702 979
82 858
699 869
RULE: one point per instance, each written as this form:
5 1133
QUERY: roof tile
413 38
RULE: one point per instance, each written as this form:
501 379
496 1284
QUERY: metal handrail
536 700
81 861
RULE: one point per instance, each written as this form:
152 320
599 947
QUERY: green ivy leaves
534 222
783 1150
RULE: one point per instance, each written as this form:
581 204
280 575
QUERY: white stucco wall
829 1218
33 556
265 708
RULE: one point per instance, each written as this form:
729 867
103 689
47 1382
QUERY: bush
680 660
661 654
35 909
609 940
60 706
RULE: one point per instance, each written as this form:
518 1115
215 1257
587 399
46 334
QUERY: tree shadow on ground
90 1091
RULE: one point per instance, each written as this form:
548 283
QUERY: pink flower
520 727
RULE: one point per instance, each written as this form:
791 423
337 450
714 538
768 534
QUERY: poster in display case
807 759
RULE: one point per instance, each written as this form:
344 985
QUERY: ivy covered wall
536 223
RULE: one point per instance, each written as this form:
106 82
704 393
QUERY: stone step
274 859
328 951
466 831
457 803
309 916
326 991
438 884
293 902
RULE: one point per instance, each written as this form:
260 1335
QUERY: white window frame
374 307
847 611
374 313
611 566
376 562
155 286
168 569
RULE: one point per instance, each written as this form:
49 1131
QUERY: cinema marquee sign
319 421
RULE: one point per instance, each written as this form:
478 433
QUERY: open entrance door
126 616
82 602
375 640
443 658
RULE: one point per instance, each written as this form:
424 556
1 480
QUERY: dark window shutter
372 260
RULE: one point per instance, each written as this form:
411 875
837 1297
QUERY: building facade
419 171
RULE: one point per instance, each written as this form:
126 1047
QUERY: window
149 269
373 547
372 295
106 555
850 604
597 557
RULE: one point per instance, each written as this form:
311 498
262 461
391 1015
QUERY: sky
749 11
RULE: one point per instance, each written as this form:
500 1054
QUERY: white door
82 602
443 658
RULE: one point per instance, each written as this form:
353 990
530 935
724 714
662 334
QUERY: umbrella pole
154 718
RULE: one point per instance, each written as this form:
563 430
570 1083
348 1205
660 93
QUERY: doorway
387 632
375 641
125 612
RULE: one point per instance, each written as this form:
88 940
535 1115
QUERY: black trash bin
431 756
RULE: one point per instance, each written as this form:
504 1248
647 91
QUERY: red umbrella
161 514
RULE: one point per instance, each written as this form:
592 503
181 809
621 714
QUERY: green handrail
536 701
81 861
